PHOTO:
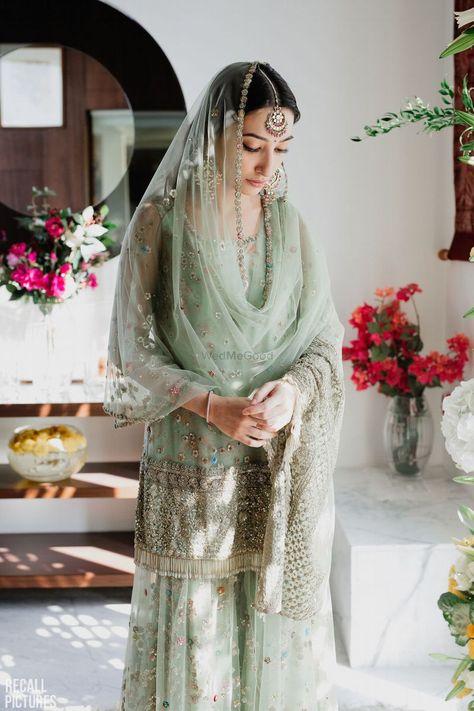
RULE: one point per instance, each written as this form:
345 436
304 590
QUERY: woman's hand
273 404
226 413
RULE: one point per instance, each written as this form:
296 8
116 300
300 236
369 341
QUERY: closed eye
254 150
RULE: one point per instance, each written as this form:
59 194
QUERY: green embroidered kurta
203 496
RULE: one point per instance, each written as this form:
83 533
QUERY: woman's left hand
272 405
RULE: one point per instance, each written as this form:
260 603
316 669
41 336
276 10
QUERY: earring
285 192
269 194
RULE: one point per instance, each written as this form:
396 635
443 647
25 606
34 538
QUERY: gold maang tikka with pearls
276 124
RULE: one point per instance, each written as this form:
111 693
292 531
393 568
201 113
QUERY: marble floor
72 643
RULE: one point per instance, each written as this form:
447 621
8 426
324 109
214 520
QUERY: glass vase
408 434
51 342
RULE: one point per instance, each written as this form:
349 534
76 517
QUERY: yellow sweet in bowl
47 454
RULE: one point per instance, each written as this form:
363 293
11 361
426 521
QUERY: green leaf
463 664
441 657
464 479
469 313
356 138
466 96
78 218
466 516
463 118
379 352
459 687
104 210
460 44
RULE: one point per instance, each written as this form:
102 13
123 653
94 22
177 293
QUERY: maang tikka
275 123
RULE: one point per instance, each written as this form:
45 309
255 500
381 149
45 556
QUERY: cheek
248 162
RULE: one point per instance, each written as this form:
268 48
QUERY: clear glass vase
408 434
51 340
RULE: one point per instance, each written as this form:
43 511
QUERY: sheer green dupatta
297 549
144 382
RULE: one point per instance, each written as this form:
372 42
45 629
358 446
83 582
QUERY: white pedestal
391 557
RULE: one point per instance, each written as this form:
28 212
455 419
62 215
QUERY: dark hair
260 92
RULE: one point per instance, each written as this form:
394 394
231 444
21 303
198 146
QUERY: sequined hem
204 569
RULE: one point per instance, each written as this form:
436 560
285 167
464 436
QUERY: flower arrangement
56 262
387 349
457 606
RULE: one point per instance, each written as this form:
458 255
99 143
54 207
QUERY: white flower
70 286
464 573
468 678
85 236
464 17
457 425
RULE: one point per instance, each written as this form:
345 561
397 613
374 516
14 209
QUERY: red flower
54 227
406 292
362 315
404 370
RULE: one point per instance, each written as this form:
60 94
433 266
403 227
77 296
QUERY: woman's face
262 153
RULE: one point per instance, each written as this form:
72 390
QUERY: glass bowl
49 454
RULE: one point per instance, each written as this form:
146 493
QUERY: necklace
268 249
241 241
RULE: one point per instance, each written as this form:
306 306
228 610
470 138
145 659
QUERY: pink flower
84 266
53 257
53 284
54 226
92 281
31 256
15 253
65 268
28 277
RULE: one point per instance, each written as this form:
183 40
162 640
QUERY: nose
264 168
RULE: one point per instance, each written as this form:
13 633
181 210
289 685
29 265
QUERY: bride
225 342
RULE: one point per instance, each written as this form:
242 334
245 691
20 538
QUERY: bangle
208 404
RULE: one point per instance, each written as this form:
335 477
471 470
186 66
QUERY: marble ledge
376 508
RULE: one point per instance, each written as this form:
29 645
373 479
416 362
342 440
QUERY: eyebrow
262 138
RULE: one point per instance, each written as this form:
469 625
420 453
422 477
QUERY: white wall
384 206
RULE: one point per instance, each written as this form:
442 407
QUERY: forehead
255 121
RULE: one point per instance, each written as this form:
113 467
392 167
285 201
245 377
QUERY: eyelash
254 150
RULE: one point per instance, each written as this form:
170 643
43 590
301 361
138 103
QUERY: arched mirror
92 124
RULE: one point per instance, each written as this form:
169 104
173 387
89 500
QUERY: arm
143 381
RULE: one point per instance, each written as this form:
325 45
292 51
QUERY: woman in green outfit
225 342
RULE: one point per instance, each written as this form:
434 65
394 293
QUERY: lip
256 183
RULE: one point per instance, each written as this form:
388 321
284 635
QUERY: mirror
65 122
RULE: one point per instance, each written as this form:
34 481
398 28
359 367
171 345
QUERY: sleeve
144 382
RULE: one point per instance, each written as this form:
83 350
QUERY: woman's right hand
226 414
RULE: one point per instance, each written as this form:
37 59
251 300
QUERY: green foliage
460 44
458 613
433 118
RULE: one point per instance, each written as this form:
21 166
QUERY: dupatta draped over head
176 333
